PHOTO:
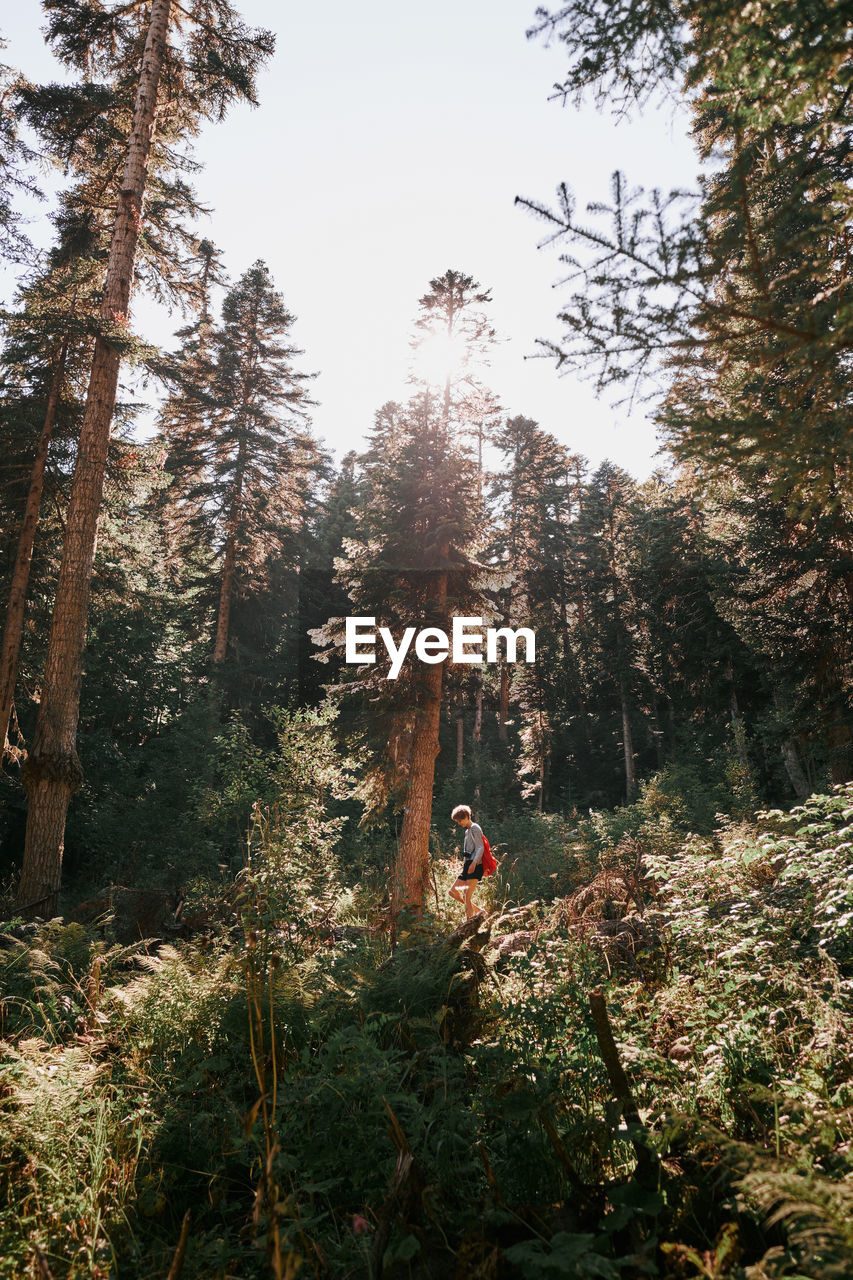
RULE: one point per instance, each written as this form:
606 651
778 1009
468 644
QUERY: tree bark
223 619
478 697
23 560
646 1161
460 733
503 714
627 742
655 733
53 773
790 756
840 738
413 856
737 723
226 590
794 770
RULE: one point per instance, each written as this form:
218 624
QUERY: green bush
262 1079
44 975
538 855
811 849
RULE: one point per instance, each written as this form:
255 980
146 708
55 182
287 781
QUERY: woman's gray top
472 845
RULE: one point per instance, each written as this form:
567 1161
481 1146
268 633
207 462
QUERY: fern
817 1215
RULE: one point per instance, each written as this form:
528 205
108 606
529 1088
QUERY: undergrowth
320 1104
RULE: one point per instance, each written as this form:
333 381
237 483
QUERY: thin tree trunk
479 463
737 724
794 770
790 756
656 734
630 777
503 712
840 738
564 626
226 590
223 619
460 733
413 856
670 720
52 773
23 560
544 748
478 733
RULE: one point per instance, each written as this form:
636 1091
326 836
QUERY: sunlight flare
439 356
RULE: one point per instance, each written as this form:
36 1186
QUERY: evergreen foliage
412 524
248 1036
365 1057
739 294
243 467
15 158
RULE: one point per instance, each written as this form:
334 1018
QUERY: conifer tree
748 278
210 59
321 596
15 160
532 496
406 565
42 386
243 466
536 496
82 128
452 345
257 452
783 583
608 635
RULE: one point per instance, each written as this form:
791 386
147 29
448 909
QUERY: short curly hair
461 811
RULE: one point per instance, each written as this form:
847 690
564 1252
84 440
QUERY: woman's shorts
468 874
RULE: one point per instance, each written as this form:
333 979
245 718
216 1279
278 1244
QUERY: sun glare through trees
426 843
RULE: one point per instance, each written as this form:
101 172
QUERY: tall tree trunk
503 702
226 590
540 799
478 696
52 773
564 626
23 560
223 619
479 462
478 733
840 740
655 733
460 732
630 777
413 856
670 720
790 756
737 725
503 712
794 770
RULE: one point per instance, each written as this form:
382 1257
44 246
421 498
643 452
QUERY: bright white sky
389 144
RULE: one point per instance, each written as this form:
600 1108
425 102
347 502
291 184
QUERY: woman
465 885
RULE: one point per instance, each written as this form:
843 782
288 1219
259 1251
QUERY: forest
245 1029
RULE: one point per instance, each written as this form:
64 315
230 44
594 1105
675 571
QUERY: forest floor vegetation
284 1098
